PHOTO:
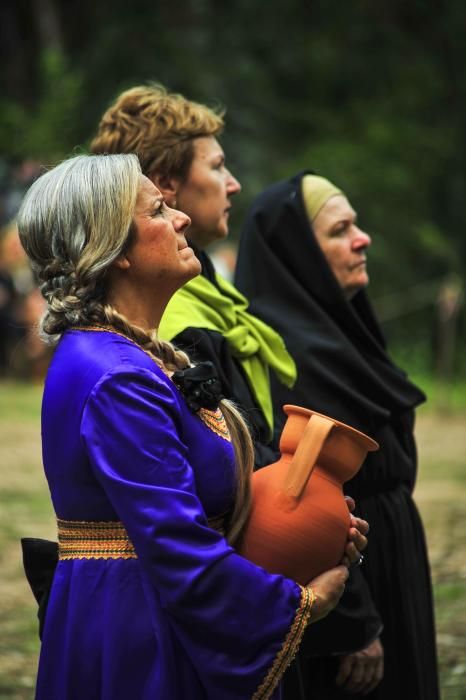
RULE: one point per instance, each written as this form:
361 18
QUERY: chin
194 269
202 238
361 283
220 232
217 237
352 290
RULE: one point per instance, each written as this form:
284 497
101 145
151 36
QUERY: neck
139 309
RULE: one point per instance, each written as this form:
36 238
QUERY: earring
174 203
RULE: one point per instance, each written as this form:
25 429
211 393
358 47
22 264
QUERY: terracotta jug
299 518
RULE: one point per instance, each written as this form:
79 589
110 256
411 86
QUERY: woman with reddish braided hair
148 466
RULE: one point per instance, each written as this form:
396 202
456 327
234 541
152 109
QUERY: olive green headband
316 192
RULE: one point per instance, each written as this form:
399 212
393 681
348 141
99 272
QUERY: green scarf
201 304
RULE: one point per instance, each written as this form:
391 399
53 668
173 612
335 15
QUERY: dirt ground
441 497
25 510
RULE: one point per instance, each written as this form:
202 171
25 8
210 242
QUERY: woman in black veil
302 264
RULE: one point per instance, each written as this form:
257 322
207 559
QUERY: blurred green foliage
370 94
45 131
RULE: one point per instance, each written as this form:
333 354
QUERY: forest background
371 94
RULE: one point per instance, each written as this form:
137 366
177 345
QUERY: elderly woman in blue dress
149 480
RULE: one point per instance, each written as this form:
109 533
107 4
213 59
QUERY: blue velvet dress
183 617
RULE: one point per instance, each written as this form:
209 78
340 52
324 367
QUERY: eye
341 229
159 209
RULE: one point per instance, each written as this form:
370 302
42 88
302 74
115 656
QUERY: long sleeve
239 625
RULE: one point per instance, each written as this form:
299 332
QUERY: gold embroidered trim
86 539
215 420
81 539
110 329
290 646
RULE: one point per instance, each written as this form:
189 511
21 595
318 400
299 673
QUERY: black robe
344 371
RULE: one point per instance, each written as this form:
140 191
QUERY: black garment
9 332
344 371
202 344
40 558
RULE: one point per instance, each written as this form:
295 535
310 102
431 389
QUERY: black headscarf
337 344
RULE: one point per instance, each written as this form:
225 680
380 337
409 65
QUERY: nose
233 186
361 240
180 221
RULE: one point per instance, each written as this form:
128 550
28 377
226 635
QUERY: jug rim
370 444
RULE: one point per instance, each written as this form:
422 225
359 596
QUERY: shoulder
97 351
128 390
196 342
91 363
101 350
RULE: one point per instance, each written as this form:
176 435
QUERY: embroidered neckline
215 421
110 329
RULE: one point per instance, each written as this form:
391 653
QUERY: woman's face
343 244
159 255
206 193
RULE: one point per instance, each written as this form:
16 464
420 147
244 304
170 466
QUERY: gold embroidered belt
81 539
86 539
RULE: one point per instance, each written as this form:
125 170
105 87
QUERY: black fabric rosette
200 386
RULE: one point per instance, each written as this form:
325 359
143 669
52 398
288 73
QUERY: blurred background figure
16 181
449 304
303 265
8 306
22 353
224 259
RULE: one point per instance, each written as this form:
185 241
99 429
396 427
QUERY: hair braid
70 300
165 354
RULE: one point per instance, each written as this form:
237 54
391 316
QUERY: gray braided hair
74 222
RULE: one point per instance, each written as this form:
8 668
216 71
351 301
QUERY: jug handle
305 457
